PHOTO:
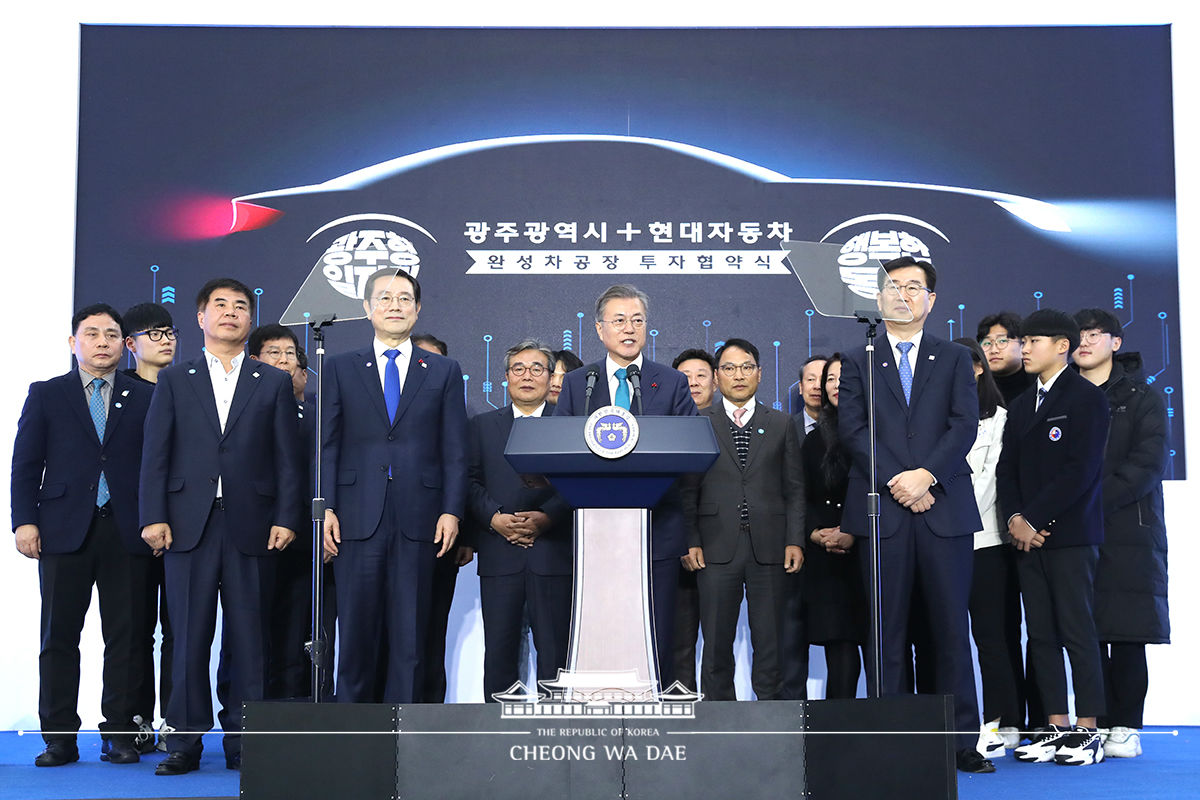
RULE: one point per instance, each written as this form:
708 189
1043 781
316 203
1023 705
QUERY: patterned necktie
391 384
1040 397
906 375
99 417
622 398
738 413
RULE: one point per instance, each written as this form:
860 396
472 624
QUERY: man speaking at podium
626 378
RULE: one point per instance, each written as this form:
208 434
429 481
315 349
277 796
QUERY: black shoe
119 750
177 764
969 760
233 761
57 753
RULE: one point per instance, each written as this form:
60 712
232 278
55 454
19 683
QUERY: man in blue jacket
395 485
74 510
220 492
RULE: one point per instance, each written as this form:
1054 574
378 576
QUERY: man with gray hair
524 539
624 377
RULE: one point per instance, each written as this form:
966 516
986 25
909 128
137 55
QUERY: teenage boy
1048 481
1000 337
1131 576
150 337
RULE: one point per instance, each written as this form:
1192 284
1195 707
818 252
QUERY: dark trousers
843 664
664 585
384 584
722 587
687 628
793 641
996 626
941 566
1057 590
1126 681
445 577
66 586
289 670
155 606
216 571
504 599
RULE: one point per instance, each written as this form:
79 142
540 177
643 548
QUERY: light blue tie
905 369
391 384
622 398
99 417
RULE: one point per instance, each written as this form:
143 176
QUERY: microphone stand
317 645
875 685
635 381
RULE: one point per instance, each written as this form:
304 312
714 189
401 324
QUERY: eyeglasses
1091 337
386 300
276 353
157 334
998 343
745 369
909 289
618 323
536 370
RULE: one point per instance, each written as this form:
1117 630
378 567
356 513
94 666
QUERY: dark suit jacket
257 457
664 394
495 485
57 460
1052 461
935 430
772 483
425 447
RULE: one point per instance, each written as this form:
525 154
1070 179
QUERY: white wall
40 62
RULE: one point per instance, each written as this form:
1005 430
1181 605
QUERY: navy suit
664 394
1050 472
511 576
388 481
219 548
934 430
57 461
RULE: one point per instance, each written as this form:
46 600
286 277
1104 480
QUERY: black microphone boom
633 374
593 375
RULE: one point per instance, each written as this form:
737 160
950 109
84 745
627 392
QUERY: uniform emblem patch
1055 433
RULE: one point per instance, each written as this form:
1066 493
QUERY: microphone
593 375
633 374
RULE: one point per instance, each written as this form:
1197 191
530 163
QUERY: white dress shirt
912 354
1046 386
224 384
730 407
405 348
537 412
610 370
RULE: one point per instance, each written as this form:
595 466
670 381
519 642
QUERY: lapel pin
931 357
421 361
368 363
125 393
760 430
1055 433
117 405
884 364
191 372
654 386
254 374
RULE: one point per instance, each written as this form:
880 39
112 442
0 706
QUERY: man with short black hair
395 485
700 369
150 337
1048 482
74 509
926 421
1000 337
622 312
1131 575
220 496
745 525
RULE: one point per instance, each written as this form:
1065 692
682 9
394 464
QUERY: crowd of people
1011 484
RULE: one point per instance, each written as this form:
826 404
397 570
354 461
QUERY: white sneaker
990 745
1011 736
1123 743
1081 747
1042 749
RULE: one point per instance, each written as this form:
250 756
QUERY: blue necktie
391 384
622 398
905 369
1041 395
96 407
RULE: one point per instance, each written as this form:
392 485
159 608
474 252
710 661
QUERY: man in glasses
927 413
395 483
150 337
621 323
1000 337
524 540
751 534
